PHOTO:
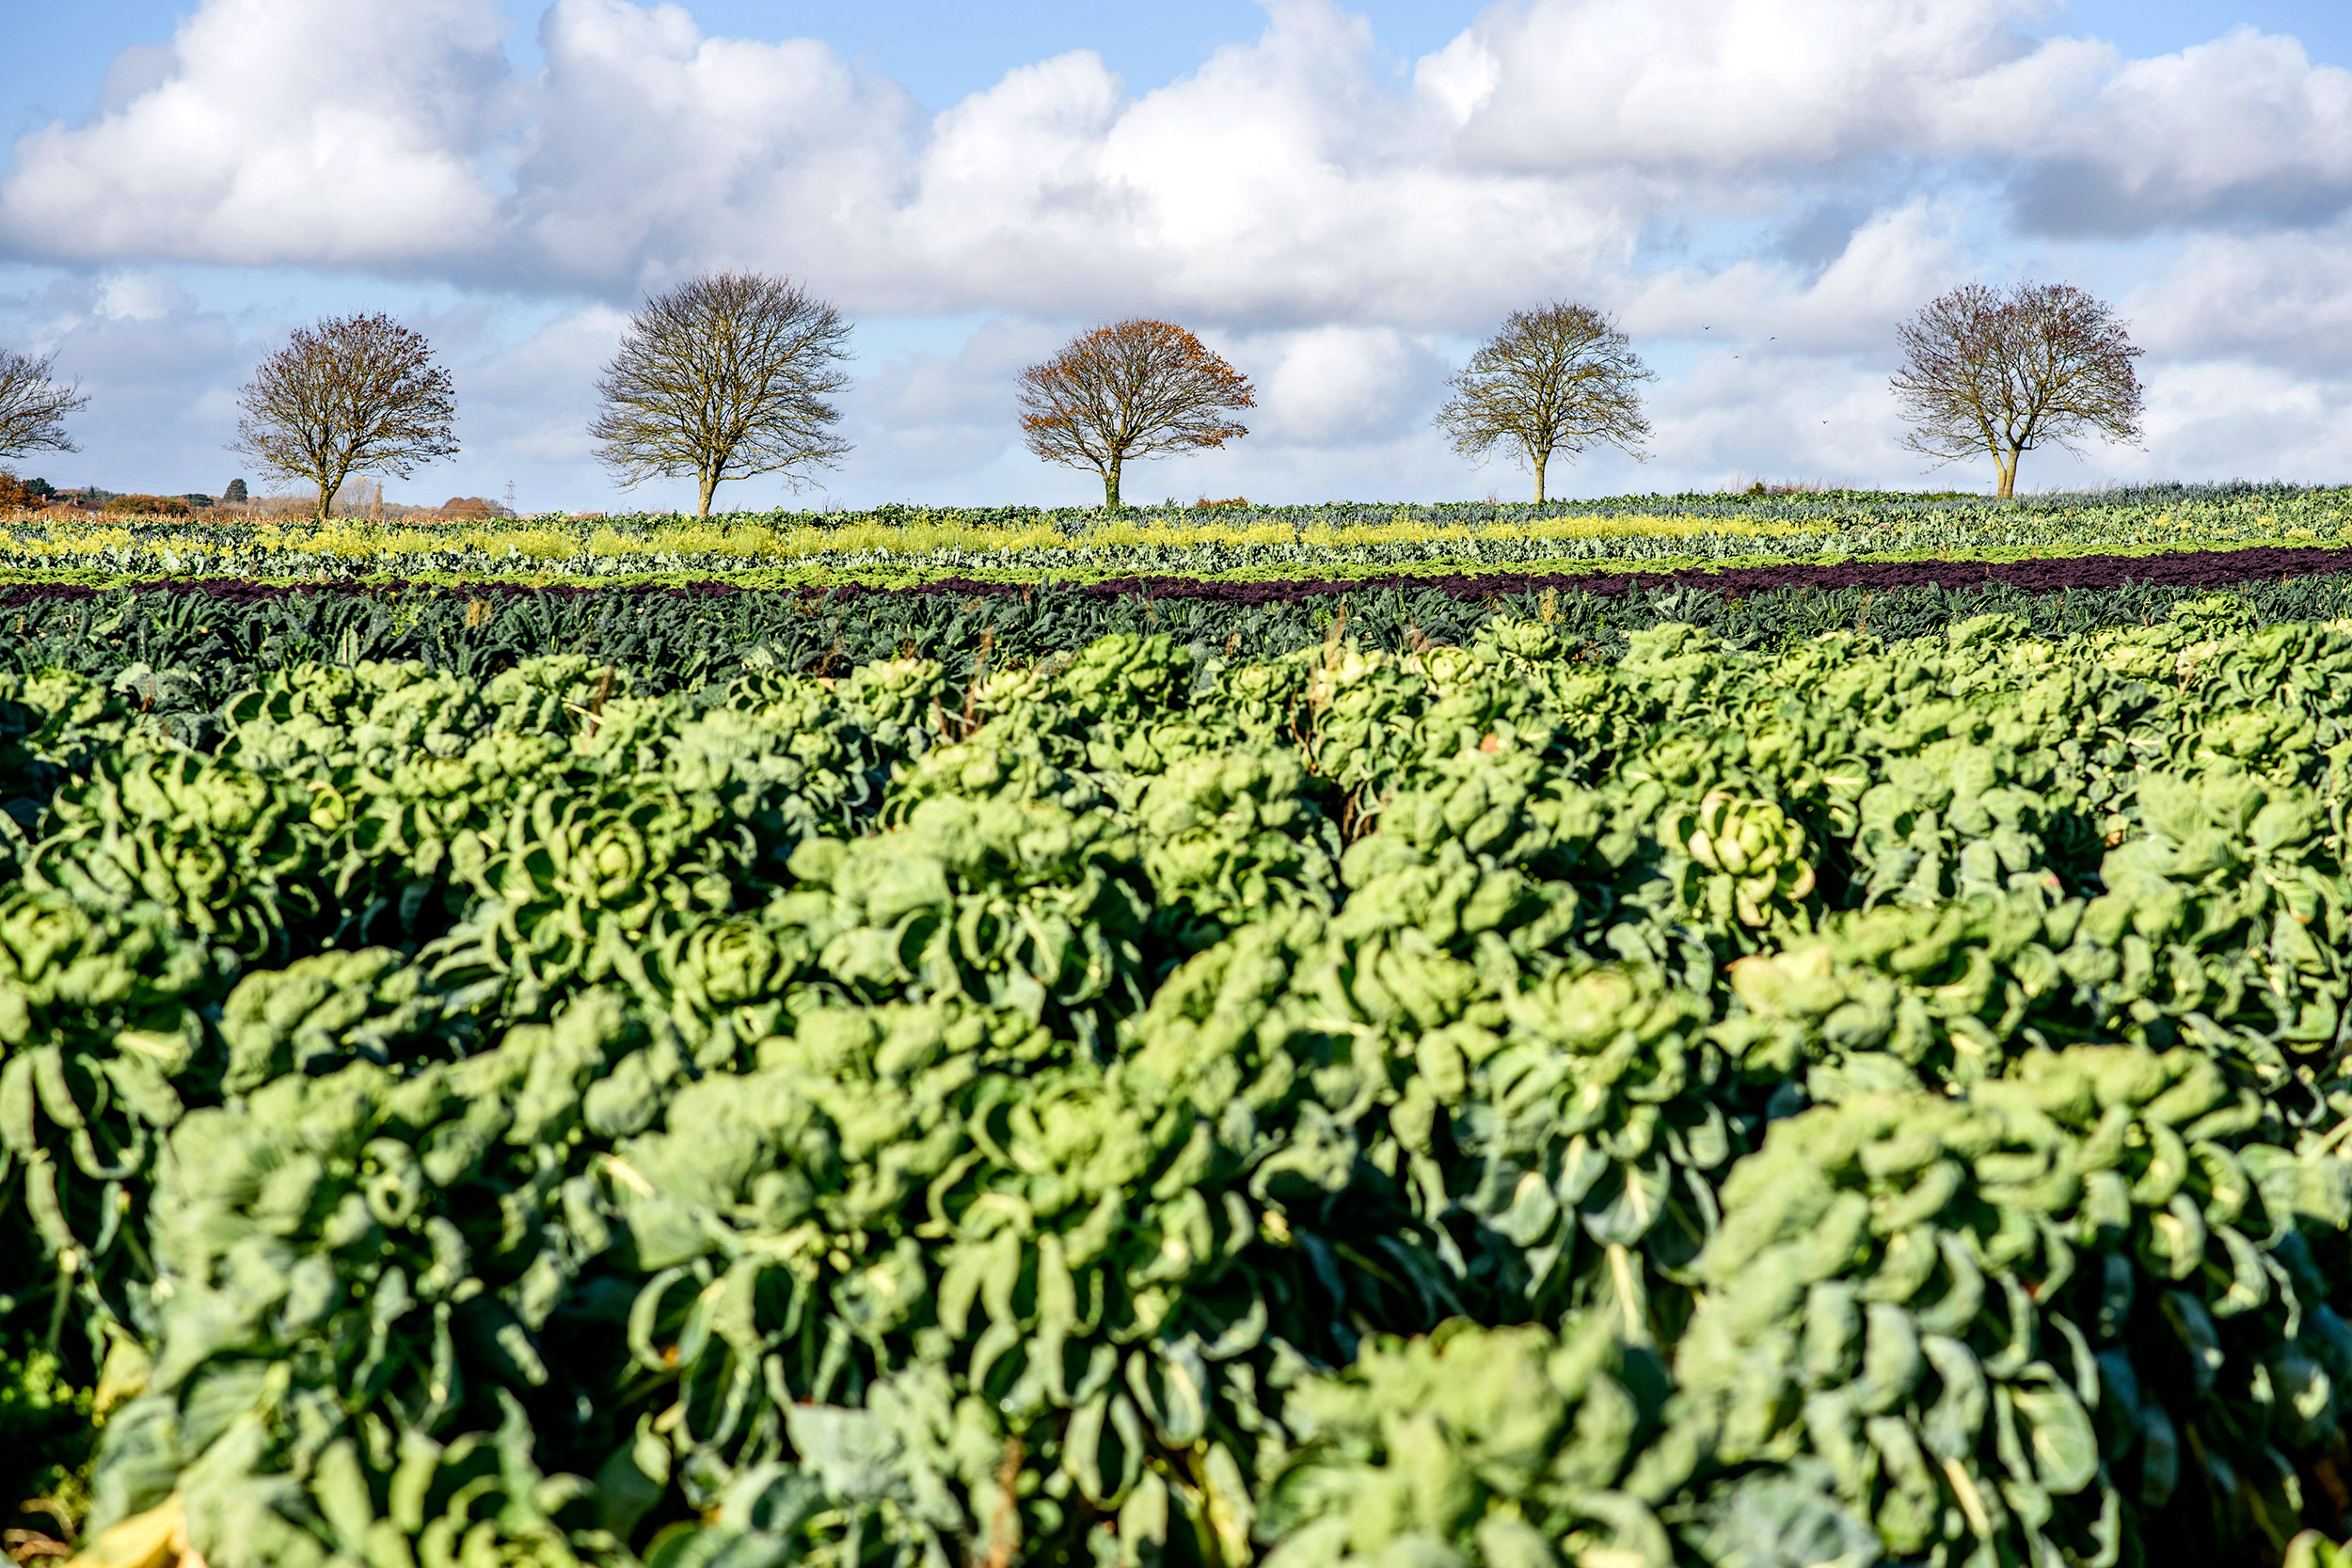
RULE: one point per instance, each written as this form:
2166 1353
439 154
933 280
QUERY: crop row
2197 569
1189 542
1833 1106
2186 569
183 649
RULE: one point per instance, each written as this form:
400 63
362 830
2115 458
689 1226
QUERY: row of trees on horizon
732 375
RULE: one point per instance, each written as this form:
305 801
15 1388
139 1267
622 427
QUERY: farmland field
1804 1030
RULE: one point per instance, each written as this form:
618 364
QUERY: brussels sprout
1865 1099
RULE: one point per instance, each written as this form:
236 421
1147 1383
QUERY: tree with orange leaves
1141 388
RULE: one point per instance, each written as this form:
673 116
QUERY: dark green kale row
1849 1104
182 649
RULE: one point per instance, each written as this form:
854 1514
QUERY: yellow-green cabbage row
1867 1104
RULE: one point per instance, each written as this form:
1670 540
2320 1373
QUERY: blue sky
1341 196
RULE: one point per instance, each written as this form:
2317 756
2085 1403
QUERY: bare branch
2004 373
352 394
33 405
1139 388
1561 378
725 377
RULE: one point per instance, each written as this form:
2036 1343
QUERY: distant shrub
470 506
235 492
1204 503
15 495
147 506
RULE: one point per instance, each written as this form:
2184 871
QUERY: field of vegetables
960 1069
181 616
903 544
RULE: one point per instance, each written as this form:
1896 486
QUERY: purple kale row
2185 569
2197 569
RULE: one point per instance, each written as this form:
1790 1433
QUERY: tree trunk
1110 486
2007 463
710 482
1541 459
329 490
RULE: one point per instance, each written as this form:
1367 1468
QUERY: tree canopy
1561 378
352 394
725 377
2002 371
1134 390
33 405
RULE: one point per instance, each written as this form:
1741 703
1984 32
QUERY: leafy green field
1825 1101
902 544
179 656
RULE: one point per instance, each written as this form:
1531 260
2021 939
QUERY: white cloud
1790 176
339 133
2285 299
1286 179
1745 97
2245 130
1460 79
1889 264
531 397
654 150
2232 419
141 296
1717 85
1346 386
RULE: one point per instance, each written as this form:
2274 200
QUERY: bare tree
2004 373
33 405
722 377
1558 379
354 393
1137 390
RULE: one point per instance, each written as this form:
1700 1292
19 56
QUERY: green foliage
102 1045
1514 1447
185 655
1291 541
1461 1106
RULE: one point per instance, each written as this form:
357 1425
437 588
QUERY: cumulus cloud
653 148
1759 188
2245 130
277 131
2286 301
1343 386
1888 264
1710 86
529 394
1751 96
1287 178
2235 419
